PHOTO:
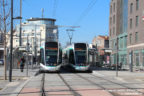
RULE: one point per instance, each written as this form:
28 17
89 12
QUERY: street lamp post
117 59
35 45
20 39
11 41
27 53
40 37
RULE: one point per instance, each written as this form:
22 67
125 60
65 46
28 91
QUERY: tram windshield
80 46
51 56
51 45
80 57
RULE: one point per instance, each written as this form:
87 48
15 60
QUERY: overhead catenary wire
55 8
86 11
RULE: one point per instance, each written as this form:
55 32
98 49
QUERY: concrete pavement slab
93 92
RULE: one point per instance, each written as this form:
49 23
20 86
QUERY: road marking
96 73
120 79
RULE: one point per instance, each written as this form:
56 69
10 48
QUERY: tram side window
71 57
42 56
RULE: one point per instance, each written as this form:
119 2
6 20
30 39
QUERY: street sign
22 49
143 18
110 51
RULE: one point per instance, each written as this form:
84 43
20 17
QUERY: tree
4 26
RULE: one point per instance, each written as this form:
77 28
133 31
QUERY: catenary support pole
11 43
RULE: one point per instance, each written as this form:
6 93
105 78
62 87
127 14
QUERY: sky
91 15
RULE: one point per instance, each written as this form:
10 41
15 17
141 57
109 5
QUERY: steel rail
126 87
119 84
70 88
42 85
101 87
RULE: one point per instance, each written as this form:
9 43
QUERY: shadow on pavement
62 71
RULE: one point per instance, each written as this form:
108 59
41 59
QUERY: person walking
22 63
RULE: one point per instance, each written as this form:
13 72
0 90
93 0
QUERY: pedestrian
22 63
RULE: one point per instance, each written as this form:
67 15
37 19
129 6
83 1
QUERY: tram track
103 88
70 88
93 83
126 87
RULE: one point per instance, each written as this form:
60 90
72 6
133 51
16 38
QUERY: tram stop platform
19 79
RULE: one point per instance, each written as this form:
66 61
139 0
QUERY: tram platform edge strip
18 90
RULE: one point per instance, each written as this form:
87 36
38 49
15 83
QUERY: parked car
1 62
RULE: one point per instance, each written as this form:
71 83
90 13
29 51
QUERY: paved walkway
122 75
18 80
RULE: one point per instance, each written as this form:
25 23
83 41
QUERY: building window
24 40
113 30
114 7
136 37
130 38
131 8
137 4
137 59
125 41
111 9
143 57
137 20
114 19
1 38
122 42
33 34
110 20
130 23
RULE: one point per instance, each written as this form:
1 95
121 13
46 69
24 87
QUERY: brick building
126 33
118 31
136 33
102 45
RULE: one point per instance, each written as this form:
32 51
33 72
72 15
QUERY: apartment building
126 30
35 31
118 31
136 33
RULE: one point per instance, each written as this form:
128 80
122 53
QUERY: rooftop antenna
42 12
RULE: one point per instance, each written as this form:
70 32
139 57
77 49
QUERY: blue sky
94 21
